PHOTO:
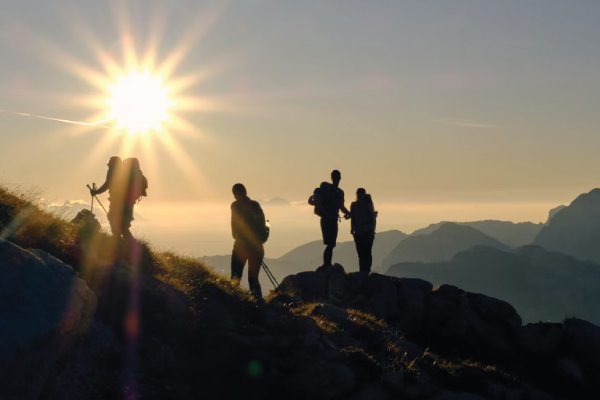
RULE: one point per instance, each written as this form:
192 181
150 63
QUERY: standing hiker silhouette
363 223
249 231
328 200
126 184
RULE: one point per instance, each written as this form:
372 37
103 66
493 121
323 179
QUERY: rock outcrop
44 309
462 323
541 285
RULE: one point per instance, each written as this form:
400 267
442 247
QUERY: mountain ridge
440 245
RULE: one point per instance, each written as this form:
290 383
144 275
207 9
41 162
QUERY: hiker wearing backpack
249 230
328 200
363 223
126 184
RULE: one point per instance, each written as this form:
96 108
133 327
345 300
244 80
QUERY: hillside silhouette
510 233
440 245
541 285
84 319
575 230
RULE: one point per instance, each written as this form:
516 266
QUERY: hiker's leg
254 263
238 260
115 218
359 252
328 255
115 223
369 252
126 222
329 228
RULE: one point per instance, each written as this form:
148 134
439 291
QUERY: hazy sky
430 101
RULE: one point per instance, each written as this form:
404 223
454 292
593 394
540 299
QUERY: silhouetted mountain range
553 212
541 285
441 244
575 230
510 233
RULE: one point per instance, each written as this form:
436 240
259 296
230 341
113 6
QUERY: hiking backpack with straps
137 182
321 198
256 222
364 217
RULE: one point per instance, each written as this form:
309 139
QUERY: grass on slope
24 223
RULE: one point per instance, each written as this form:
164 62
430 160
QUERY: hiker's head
114 161
239 191
336 177
360 194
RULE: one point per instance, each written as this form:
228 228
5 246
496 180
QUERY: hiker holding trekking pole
328 200
126 184
250 231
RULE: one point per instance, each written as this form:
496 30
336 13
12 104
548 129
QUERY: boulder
44 309
540 339
582 343
382 293
339 288
304 285
473 322
413 299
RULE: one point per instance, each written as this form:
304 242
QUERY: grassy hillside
212 340
28 226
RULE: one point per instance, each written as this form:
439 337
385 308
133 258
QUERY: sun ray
74 21
201 185
71 64
120 13
191 37
155 34
138 91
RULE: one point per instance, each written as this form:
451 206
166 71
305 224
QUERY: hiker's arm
343 207
104 187
351 220
234 222
345 211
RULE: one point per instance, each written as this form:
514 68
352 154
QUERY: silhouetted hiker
363 223
249 231
126 184
328 200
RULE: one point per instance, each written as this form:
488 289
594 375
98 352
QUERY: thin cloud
468 123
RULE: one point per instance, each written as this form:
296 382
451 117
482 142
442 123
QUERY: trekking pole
271 277
92 207
98 200
268 273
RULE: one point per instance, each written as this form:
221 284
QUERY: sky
441 109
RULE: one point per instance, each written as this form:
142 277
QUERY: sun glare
139 102
141 99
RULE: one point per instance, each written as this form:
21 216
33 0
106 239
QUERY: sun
139 102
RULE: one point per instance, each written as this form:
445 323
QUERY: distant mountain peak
575 230
442 244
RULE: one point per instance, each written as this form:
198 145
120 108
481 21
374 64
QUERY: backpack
256 222
321 198
137 183
362 221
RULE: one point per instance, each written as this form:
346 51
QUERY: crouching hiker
363 223
250 231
